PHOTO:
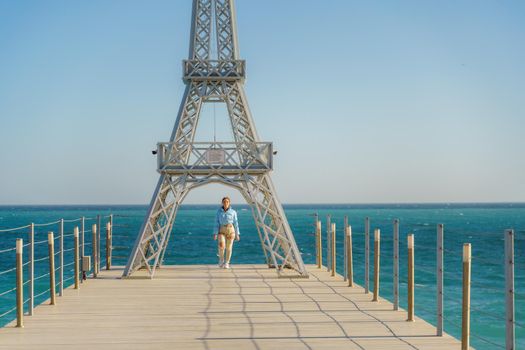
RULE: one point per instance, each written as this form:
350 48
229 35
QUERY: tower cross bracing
244 164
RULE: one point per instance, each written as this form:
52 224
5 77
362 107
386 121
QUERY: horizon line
291 203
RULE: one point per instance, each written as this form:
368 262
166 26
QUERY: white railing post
377 254
76 257
410 277
82 231
61 262
345 255
320 242
94 249
395 271
333 259
509 290
109 228
367 255
99 228
439 281
31 302
51 250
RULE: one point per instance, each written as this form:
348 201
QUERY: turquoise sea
480 224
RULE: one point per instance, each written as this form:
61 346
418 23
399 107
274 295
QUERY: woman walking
226 231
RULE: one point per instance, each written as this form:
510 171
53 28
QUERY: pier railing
73 252
464 281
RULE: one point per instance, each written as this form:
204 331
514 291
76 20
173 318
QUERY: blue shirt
226 217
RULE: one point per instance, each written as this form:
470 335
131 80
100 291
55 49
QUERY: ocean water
482 225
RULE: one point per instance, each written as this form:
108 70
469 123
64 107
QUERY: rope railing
121 236
488 341
7 312
61 273
72 220
69 278
41 276
14 228
434 272
484 312
423 247
7 271
425 270
42 293
47 224
8 291
41 242
488 261
7 250
41 259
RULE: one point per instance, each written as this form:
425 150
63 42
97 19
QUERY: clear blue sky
366 101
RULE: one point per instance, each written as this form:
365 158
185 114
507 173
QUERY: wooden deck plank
203 307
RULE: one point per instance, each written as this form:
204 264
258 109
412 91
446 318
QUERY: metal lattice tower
244 164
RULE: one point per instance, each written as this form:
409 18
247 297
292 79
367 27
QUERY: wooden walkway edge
204 307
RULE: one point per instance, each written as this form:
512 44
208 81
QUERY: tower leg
152 240
278 241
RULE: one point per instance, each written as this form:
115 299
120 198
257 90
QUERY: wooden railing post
410 309
333 250
439 281
31 271
377 239
19 283
509 290
319 244
328 243
108 245
367 255
51 249
395 269
94 249
350 261
76 251
465 314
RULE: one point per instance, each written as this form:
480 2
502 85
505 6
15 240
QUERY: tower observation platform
206 70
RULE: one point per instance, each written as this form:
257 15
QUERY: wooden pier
204 307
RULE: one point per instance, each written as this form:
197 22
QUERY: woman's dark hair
223 198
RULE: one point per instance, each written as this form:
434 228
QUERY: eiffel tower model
244 164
